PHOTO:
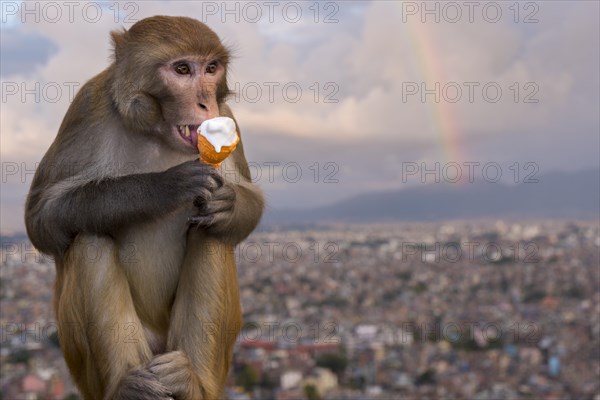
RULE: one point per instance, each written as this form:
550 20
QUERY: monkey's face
170 75
192 84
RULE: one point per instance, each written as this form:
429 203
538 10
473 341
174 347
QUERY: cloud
24 52
371 67
353 76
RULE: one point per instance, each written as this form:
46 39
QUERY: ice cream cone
208 153
217 138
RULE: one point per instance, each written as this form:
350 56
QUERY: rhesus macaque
146 298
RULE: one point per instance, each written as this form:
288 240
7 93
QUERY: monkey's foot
141 384
175 371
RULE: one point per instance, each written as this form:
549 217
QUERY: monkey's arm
56 214
246 213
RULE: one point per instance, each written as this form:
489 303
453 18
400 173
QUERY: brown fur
147 306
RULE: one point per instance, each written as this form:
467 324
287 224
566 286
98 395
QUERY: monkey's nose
209 108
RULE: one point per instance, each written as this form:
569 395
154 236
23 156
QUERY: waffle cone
209 155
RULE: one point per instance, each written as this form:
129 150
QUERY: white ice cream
219 131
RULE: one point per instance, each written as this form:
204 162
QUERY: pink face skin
193 81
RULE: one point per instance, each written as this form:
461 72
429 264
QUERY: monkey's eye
211 68
182 69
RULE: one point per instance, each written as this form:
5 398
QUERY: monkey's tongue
194 135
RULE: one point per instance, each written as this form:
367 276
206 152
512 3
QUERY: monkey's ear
118 42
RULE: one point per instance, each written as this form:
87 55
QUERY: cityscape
481 309
431 181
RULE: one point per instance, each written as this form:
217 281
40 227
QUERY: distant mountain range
556 195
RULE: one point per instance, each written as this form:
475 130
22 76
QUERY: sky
339 98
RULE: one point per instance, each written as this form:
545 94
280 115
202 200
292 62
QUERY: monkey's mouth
189 133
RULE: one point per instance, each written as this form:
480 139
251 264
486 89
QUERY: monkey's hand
175 372
142 384
215 210
195 181
230 212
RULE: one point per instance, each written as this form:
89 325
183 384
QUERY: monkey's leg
205 321
101 335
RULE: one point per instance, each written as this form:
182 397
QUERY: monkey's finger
203 195
213 183
215 178
220 218
215 206
143 384
200 220
224 193
173 371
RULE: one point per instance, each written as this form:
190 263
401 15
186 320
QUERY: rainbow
431 69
